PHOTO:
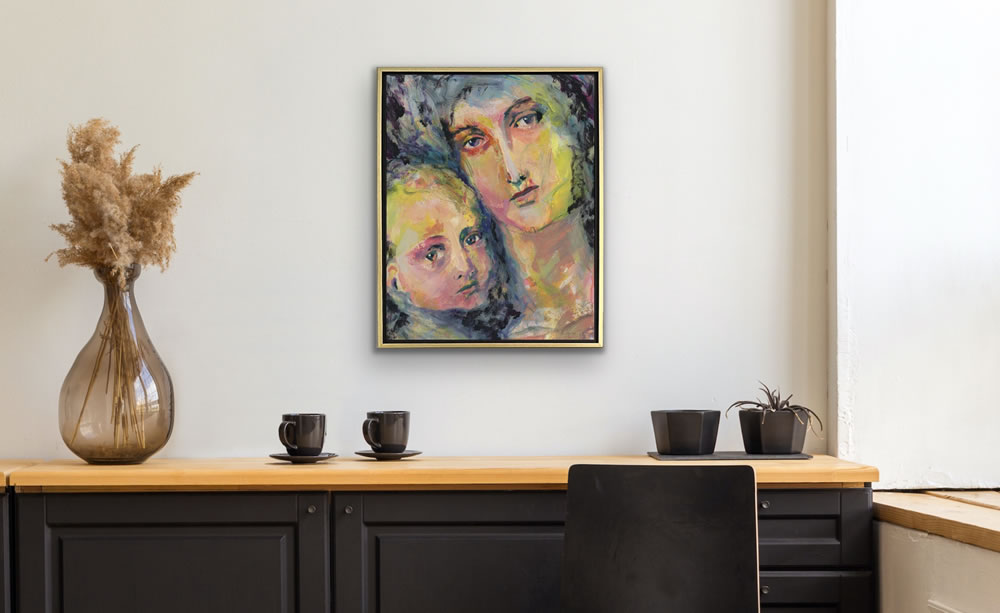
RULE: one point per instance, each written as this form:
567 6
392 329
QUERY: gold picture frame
406 94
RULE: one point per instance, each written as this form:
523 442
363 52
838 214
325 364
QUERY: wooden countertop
8 466
418 473
971 517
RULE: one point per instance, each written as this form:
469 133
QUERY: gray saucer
303 459
384 455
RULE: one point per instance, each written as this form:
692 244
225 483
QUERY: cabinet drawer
797 503
840 591
815 528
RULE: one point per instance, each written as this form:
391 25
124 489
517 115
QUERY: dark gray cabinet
5 563
376 552
501 552
171 553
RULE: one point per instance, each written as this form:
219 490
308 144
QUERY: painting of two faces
490 207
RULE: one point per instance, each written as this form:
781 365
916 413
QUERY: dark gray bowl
685 431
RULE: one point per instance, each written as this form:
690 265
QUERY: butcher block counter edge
417 473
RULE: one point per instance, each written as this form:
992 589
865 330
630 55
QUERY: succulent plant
776 403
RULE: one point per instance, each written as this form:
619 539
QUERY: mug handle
283 434
367 431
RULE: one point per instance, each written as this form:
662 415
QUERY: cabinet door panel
215 568
445 569
461 552
169 553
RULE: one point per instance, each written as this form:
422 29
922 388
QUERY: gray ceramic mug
302 433
387 431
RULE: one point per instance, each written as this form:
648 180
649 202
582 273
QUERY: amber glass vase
117 402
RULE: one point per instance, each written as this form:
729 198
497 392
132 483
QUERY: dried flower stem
126 362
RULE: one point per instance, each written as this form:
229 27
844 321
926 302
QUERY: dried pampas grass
117 219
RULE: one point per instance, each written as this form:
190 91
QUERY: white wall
715 209
918 240
925 572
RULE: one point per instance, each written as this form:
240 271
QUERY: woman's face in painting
441 260
516 151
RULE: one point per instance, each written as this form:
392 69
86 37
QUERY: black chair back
664 539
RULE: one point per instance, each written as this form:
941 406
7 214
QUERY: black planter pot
775 432
685 431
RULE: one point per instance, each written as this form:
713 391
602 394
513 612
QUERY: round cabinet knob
348 509
311 509
765 589
765 504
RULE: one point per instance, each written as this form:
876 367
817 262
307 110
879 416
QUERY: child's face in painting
441 260
515 152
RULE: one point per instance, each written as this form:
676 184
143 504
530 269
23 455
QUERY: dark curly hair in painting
581 95
574 95
412 134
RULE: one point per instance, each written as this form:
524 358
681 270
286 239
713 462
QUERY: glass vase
117 402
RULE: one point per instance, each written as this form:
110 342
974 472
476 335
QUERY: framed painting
490 207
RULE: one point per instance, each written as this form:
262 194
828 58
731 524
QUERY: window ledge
971 517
